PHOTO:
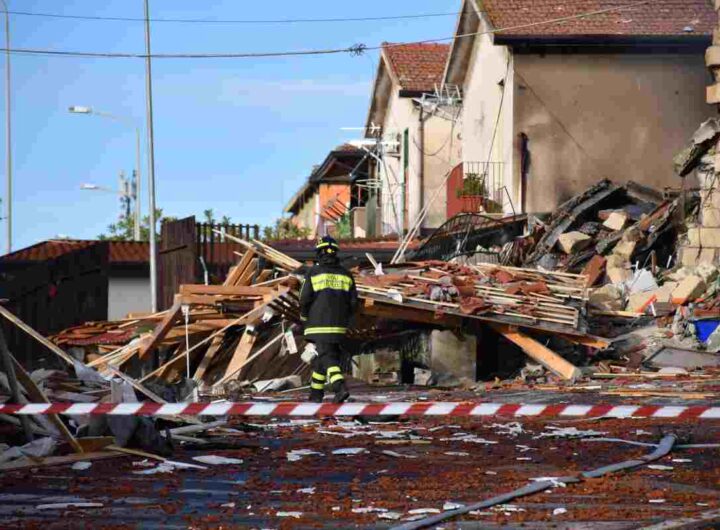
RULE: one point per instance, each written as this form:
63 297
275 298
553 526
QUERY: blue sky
235 135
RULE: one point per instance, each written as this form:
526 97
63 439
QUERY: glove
309 353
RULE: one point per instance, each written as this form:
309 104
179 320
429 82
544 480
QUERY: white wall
398 117
482 96
126 295
442 152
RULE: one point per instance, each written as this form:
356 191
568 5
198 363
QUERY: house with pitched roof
416 142
557 95
329 195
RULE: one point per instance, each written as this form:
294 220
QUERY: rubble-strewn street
494 303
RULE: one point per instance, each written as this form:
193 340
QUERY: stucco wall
305 217
619 116
398 117
441 153
482 97
127 295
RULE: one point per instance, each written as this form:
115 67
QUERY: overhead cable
356 49
233 21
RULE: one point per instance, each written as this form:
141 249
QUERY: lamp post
151 159
8 131
127 193
76 109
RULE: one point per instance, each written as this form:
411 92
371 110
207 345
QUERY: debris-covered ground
331 473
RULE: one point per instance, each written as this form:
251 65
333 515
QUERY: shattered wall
619 116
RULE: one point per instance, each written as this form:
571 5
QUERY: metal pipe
663 448
151 161
8 132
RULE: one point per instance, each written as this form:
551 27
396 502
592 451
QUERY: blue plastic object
705 328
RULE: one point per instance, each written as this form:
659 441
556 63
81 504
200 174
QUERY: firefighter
328 300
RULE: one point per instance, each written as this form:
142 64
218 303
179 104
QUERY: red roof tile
656 18
419 67
120 251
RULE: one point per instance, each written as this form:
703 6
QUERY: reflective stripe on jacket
328 299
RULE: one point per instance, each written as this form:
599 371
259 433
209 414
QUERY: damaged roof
657 18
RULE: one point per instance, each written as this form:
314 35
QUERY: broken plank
92 444
49 461
587 340
545 356
241 353
208 357
250 271
244 319
237 271
161 330
250 359
227 290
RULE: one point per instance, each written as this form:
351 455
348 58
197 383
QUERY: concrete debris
616 221
689 289
572 242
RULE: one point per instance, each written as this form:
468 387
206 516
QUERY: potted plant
473 192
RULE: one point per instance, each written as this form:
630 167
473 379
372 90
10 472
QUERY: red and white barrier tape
285 409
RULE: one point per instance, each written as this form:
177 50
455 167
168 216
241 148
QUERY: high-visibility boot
338 384
317 388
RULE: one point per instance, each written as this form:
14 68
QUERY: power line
232 21
357 49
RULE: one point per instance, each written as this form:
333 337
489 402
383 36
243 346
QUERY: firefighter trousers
326 368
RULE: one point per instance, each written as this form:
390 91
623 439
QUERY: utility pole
8 132
151 160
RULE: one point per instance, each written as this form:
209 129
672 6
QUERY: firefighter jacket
328 300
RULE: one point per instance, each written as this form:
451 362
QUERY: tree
124 228
284 229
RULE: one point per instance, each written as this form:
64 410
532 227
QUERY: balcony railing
491 174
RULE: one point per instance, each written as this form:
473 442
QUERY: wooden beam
35 335
266 346
226 290
34 393
396 312
545 356
246 277
161 330
49 461
237 271
242 320
208 357
587 340
241 353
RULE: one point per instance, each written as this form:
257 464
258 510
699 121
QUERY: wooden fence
189 251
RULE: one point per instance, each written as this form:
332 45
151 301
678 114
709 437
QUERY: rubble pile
600 289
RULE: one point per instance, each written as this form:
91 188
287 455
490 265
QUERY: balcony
476 187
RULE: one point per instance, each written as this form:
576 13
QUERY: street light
127 192
8 131
77 109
